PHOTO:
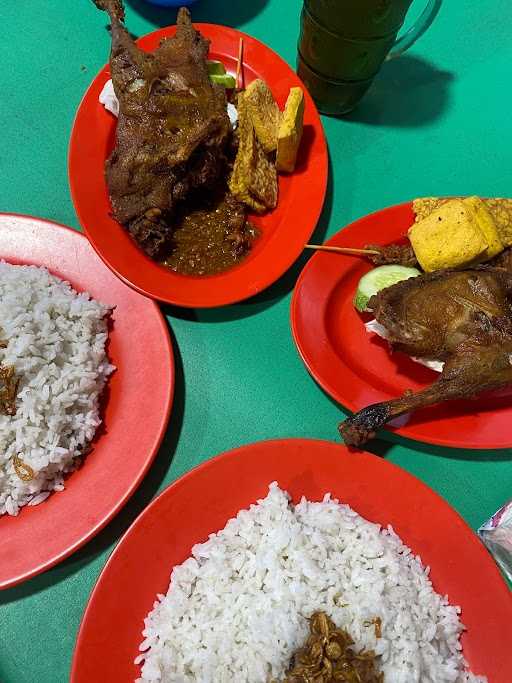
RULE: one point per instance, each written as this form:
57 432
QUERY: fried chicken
463 318
173 130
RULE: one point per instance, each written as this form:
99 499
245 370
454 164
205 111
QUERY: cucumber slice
215 67
380 278
225 80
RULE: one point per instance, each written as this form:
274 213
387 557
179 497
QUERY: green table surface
436 121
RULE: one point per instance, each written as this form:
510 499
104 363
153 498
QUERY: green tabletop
437 121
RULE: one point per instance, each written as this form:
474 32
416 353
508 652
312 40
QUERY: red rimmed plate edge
319 130
147 464
455 518
405 432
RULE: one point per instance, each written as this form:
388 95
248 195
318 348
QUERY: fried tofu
424 206
486 224
254 177
500 210
290 131
449 237
264 113
239 180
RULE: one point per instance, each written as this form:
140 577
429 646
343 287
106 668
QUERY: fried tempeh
264 114
254 177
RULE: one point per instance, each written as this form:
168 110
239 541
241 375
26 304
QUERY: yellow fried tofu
253 180
486 224
264 112
500 210
424 206
290 131
239 180
448 238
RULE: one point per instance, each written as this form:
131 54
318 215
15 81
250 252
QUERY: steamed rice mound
56 342
238 608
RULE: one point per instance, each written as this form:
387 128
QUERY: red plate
284 231
203 500
356 368
139 397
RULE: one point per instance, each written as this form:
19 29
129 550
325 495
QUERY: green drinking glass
343 44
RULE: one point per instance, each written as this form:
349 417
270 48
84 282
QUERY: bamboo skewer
239 65
343 250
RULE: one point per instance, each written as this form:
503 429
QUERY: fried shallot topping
8 390
24 471
377 624
328 657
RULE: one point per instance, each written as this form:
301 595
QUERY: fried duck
173 130
463 318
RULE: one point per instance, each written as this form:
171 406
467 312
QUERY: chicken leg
461 317
471 370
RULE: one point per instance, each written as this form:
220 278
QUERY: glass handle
403 43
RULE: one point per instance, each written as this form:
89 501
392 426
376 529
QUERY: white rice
56 342
238 608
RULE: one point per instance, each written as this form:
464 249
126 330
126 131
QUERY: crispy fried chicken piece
172 132
461 317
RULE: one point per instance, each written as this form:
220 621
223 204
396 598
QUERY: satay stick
239 65
343 250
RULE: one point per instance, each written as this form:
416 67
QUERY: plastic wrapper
496 533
